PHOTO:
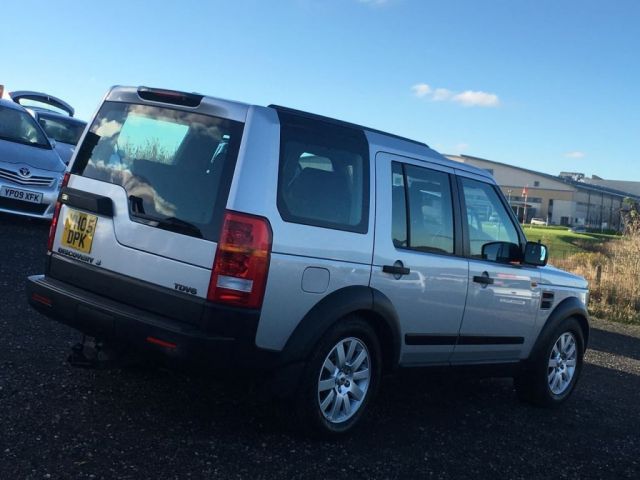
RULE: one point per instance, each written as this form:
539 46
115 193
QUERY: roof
622 185
568 181
403 144
58 116
238 111
335 121
11 104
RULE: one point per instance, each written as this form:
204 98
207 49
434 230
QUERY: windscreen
61 129
175 166
20 127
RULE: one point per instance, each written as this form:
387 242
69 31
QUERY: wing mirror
506 252
536 254
501 252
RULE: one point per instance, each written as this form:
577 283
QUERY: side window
487 218
427 194
324 175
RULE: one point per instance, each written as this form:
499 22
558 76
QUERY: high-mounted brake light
56 214
240 269
170 96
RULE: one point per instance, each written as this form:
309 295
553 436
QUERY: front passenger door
503 298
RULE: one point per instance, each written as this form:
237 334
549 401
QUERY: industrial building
560 200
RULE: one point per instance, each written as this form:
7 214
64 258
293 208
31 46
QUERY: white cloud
468 98
460 147
574 154
108 128
421 89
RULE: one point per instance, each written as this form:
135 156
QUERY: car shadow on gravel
422 423
615 343
216 406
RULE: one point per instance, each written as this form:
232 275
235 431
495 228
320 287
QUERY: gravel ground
61 422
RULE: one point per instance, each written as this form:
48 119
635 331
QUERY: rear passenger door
503 298
415 261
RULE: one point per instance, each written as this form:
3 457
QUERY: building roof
581 185
622 185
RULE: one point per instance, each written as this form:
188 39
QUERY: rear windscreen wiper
180 226
170 223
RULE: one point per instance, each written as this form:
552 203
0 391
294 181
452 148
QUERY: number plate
24 195
78 230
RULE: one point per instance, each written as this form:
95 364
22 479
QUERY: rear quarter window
323 179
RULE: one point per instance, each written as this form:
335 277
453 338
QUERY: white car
539 221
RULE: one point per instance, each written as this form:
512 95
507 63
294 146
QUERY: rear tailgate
39 99
165 169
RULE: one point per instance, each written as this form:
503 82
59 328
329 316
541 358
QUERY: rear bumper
107 319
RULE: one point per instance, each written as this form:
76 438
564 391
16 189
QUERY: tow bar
92 353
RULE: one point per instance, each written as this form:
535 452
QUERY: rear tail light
240 269
56 214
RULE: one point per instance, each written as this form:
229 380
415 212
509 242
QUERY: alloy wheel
562 363
344 380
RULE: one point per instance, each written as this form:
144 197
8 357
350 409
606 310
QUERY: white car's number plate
23 195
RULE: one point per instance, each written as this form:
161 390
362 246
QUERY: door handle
396 269
483 279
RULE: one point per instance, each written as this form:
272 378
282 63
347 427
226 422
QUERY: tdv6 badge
185 289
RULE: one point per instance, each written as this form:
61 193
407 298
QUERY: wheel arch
370 304
569 307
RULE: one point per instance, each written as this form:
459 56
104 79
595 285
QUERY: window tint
427 193
324 175
175 166
487 217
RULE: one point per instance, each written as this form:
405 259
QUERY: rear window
175 166
60 129
324 174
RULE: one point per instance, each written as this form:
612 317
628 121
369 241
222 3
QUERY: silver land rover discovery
317 252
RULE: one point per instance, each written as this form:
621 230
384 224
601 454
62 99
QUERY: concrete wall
564 212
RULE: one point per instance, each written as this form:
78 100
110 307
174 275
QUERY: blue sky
547 84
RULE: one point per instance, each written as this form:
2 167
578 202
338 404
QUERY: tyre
340 379
553 373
